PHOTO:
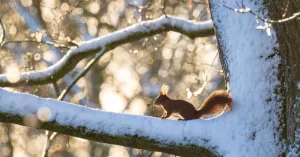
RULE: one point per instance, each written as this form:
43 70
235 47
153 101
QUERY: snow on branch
170 136
110 41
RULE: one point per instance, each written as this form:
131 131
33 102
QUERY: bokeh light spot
44 114
30 120
13 74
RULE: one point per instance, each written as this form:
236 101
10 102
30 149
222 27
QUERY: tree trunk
288 35
254 68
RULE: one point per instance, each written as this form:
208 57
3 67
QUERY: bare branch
110 41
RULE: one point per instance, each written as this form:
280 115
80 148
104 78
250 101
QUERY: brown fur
214 104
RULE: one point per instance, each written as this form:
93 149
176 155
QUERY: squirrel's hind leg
166 115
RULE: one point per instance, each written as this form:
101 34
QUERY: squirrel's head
162 95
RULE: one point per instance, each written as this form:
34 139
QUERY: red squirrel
216 103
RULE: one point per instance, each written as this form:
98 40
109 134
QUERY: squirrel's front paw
162 117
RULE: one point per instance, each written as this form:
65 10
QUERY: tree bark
252 54
288 34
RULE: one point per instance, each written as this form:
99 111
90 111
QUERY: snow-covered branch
110 41
175 137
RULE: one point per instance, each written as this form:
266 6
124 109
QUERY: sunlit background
125 79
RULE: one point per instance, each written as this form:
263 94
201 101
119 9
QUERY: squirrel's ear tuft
164 89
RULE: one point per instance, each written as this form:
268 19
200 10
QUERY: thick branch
110 41
128 130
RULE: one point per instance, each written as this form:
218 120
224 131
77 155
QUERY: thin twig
3 32
47 133
85 70
164 8
62 95
56 89
41 42
3 43
287 19
199 91
213 62
151 153
65 91
143 152
286 8
51 138
46 146
202 3
244 10
62 15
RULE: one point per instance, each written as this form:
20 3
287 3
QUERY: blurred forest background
35 34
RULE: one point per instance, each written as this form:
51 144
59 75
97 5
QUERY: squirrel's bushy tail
216 103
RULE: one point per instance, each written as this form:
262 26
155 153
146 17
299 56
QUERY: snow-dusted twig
110 41
244 10
140 132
